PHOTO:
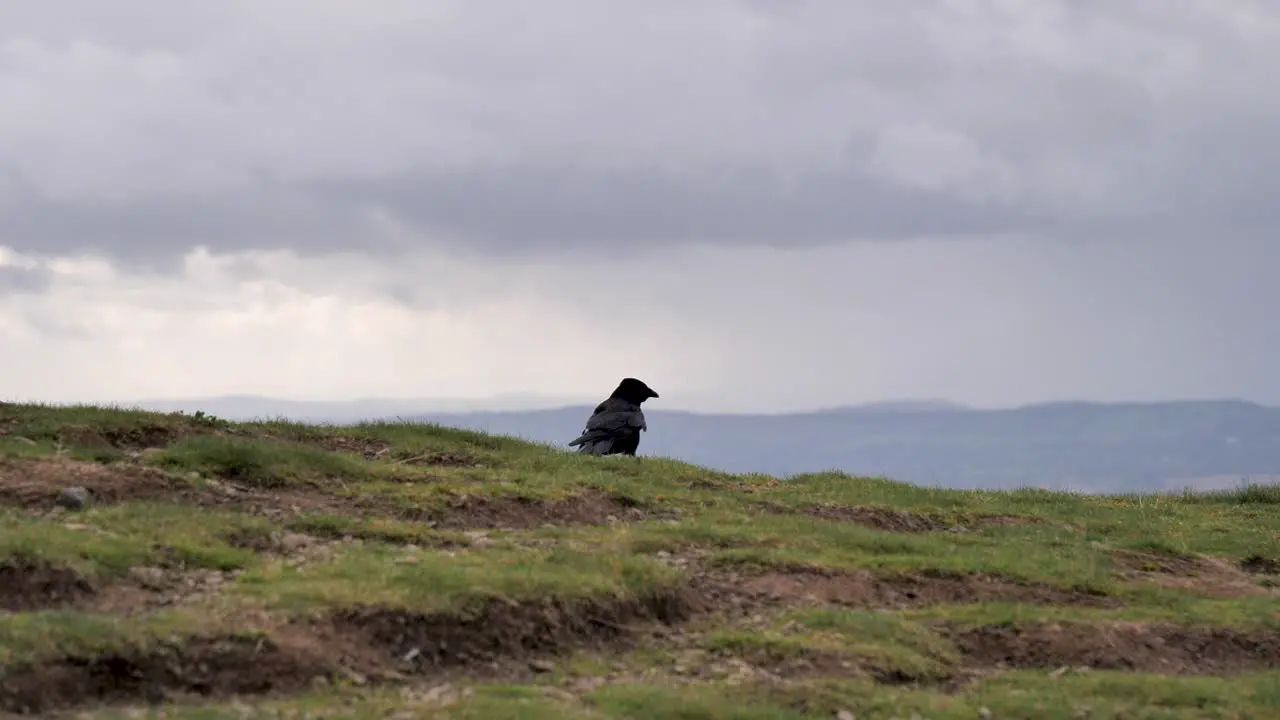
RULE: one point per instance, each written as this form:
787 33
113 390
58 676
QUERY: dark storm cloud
790 125
160 231
529 209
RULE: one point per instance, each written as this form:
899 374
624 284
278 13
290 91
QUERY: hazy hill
1082 445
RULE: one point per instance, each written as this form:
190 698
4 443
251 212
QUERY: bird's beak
653 394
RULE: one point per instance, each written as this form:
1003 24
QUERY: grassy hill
401 570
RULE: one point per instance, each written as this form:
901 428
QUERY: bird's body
615 425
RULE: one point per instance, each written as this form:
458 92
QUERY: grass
261 463
430 582
636 602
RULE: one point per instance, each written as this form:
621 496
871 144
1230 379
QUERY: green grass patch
388 530
26 638
427 581
1145 605
1032 694
262 463
109 540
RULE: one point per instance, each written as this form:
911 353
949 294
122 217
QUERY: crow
614 428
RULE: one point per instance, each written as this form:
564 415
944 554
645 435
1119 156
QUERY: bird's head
633 390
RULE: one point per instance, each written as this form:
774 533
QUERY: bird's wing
613 418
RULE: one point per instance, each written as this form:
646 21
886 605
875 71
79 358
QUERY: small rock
541 666
558 694
985 713
586 684
356 678
844 715
441 695
293 542
73 498
149 577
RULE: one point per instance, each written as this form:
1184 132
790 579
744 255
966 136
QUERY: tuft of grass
1247 494
108 541
261 463
375 574
27 638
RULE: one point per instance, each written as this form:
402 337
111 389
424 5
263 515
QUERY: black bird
614 428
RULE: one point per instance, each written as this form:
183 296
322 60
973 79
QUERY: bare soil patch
1260 565
865 589
137 437
1004 520
519 513
793 663
879 518
363 645
502 631
1133 561
148 588
802 663
1139 647
281 502
35 585
1204 575
364 447
27 585
218 667
458 513
371 449
904 521
437 459
36 483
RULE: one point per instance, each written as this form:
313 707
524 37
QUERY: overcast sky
753 205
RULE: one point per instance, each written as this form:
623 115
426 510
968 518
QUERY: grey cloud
1114 120
15 279
549 207
158 232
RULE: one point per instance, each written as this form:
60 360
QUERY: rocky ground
182 566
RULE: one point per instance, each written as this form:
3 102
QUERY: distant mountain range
1077 445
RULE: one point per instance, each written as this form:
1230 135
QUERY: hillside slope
401 570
